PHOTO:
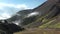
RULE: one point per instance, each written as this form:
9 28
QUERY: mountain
48 17
47 21
19 16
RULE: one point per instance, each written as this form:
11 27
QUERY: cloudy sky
9 7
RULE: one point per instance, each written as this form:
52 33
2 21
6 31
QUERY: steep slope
48 16
48 19
19 16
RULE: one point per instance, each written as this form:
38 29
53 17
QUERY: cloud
33 14
8 9
4 16
18 6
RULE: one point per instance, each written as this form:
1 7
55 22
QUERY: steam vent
45 19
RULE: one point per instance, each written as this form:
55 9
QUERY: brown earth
40 31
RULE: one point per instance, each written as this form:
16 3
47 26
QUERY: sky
10 7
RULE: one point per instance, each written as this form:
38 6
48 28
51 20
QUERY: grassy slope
47 23
53 23
50 23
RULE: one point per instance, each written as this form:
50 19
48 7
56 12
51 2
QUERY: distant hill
19 16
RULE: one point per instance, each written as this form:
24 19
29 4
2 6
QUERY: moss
55 25
45 25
